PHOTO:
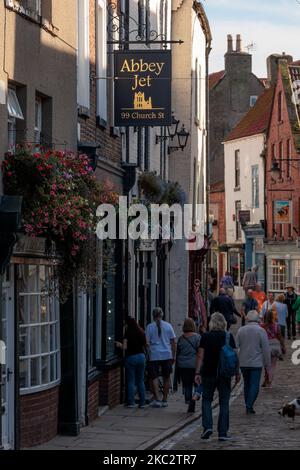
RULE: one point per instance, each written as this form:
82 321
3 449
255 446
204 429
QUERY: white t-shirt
160 346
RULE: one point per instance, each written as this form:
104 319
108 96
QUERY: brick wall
38 417
110 388
217 198
110 145
93 400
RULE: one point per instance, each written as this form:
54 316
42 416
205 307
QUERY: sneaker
164 404
142 407
192 407
206 434
250 411
130 406
226 438
156 404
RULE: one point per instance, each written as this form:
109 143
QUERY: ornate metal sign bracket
124 30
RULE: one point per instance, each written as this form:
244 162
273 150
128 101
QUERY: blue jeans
210 384
251 377
135 372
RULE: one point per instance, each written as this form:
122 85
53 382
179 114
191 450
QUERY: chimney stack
229 43
238 43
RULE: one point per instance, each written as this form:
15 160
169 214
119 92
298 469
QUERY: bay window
38 312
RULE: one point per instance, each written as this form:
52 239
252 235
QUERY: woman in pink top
276 343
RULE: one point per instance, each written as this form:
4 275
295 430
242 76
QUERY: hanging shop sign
283 212
143 88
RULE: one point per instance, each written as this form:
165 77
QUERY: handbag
275 347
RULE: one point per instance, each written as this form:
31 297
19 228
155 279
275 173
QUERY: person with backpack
254 354
187 349
216 364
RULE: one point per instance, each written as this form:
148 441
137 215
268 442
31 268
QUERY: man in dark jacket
223 304
290 298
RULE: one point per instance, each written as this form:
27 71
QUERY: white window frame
13 106
28 326
101 60
83 54
38 120
276 280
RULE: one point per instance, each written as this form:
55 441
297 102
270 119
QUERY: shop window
296 274
104 310
277 271
38 311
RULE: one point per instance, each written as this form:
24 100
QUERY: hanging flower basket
155 190
60 197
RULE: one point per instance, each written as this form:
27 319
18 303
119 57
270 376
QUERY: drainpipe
207 52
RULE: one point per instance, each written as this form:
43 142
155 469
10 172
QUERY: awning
13 105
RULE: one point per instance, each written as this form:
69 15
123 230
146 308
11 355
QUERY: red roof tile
296 63
256 120
215 78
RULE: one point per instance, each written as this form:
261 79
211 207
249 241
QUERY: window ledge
39 388
115 132
83 112
114 362
100 122
15 6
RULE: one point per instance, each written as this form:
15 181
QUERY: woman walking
276 343
187 349
134 345
207 366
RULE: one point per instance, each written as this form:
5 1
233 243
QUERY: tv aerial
251 47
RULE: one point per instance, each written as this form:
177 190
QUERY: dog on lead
291 409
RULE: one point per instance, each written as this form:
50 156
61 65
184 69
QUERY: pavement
173 428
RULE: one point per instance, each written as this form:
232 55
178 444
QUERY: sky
273 26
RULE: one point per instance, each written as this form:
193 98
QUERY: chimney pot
238 43
229 43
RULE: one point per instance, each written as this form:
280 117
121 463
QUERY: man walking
290 297
223 304
254 354
162 348
250 280
250 303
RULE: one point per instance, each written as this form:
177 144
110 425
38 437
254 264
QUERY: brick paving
265 430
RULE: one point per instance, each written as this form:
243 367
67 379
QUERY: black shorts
160 368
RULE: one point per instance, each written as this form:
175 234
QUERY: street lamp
183 137
171 130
